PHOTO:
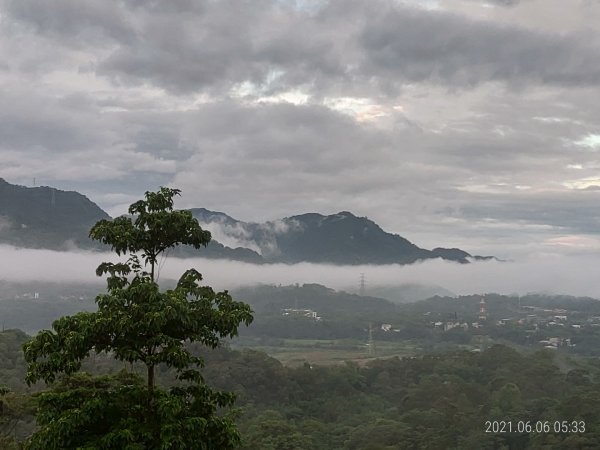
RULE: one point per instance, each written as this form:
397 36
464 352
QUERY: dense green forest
436 401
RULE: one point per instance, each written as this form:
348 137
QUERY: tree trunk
150 378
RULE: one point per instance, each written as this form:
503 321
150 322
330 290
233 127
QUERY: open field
295 352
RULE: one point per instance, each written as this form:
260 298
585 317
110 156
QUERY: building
308 313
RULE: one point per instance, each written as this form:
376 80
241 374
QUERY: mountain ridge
45 217
341 238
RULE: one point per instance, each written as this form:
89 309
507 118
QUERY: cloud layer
573 275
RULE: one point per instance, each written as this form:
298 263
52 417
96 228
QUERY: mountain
44 217
341 238
407 292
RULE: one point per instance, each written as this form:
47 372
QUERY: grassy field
295 352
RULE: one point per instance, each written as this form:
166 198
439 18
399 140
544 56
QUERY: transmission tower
370 343
362 284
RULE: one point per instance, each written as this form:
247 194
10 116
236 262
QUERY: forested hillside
435 401
44 217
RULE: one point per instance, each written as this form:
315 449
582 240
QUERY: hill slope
44 217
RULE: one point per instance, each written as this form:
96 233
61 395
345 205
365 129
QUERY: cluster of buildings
540 317
308 313
36 296
28 295
555 342
531 319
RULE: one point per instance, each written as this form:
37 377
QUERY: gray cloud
573 212
352 46
220 49
505 2
321 155
74 22
417 45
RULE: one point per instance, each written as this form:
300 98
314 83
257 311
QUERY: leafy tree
136 322
15 417
10 412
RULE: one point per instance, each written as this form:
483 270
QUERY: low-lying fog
573 275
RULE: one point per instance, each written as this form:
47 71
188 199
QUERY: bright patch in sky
361 109
583 183
425 4
591 141
574 241
295 97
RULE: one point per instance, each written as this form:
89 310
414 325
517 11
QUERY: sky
454 123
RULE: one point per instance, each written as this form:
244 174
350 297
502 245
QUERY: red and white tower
482 311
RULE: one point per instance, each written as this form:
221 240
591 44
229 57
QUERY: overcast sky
462 123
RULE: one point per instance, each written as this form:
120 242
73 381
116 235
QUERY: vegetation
136 322
44 217
435 401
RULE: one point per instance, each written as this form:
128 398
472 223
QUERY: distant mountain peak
345 214
340 238
211 216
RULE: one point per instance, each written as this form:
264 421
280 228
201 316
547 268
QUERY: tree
136 322
15 409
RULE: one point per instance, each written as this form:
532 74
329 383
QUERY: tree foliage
137 322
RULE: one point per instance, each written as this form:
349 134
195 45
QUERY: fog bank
574 275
